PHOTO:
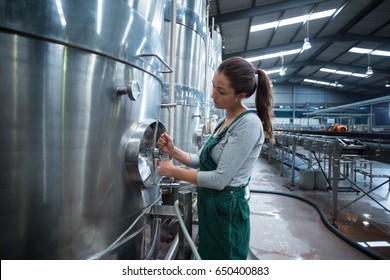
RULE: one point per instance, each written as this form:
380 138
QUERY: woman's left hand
166 168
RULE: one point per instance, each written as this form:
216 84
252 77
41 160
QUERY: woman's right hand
165 143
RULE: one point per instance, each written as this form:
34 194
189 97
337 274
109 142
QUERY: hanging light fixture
369 68
387 85
282 70
306 42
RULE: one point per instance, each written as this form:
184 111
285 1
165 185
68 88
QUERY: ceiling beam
293 45
261 10
321 63
344 65
346 85
351 105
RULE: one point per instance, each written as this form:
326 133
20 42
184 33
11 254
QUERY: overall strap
236 119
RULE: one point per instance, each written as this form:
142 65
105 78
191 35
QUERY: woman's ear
241 96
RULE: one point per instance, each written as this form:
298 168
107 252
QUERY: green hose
185 231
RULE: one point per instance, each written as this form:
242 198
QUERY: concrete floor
286 227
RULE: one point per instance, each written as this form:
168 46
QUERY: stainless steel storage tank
189 69
76 156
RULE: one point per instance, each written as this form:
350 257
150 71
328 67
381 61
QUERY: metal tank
214 55
80 95
188 88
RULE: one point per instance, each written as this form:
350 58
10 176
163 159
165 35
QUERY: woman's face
223 94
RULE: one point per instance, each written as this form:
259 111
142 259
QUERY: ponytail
265 103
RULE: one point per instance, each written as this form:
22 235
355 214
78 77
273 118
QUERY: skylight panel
346 73
360 50
370 51
273 55
323 14
293 20
264 26
381 53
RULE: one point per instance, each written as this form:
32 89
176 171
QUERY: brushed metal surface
189 70
63 128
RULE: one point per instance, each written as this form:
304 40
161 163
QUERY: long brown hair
245 78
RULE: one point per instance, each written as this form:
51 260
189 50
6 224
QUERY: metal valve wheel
141 153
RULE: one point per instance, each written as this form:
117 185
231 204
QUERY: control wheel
141 153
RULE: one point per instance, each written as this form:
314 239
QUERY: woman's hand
166 168
165 143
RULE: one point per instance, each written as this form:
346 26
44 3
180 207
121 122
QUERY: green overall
224 226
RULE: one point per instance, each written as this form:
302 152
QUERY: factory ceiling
347 38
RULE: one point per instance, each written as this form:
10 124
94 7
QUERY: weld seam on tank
78 47
329 225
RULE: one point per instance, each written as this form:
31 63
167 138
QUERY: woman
226 160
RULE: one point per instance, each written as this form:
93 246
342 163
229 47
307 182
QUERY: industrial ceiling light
369 68
306 42
282 70
335 84
369 71
387 84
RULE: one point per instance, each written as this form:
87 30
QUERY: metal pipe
108 249
294 92
352 105
370 120
336 174
172 251
156 240
294 152
206 79
185 199
172 62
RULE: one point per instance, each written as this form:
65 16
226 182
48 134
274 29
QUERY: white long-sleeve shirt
235 154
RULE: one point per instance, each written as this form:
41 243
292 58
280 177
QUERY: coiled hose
331 227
